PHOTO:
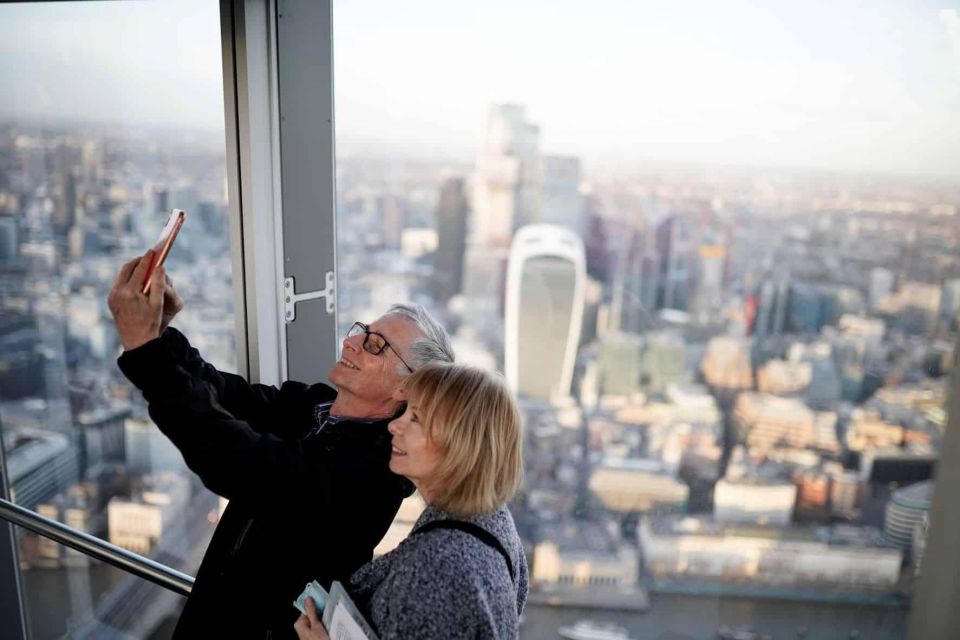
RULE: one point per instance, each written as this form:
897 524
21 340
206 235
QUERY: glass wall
111 115
767 206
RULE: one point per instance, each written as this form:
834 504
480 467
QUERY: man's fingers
157 286
140 272
124 276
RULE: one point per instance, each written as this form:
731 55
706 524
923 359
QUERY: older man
305 466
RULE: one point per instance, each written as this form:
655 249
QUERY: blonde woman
461 573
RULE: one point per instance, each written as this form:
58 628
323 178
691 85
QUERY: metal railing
94 547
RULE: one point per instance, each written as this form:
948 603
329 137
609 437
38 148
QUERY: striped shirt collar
323 419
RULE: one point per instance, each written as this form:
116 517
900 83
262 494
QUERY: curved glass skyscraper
546 279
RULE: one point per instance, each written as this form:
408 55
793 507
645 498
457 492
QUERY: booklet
341 618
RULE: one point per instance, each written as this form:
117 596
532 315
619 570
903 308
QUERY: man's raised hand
138 317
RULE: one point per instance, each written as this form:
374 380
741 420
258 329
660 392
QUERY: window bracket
291 297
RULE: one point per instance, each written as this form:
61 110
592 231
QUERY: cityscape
733 379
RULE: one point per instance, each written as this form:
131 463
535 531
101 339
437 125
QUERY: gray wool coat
446 583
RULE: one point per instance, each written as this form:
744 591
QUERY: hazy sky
852 86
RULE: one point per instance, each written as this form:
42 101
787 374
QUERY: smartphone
163 245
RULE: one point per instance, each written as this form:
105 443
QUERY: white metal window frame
278 100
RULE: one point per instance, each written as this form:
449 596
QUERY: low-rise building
633 485
583 555
138 523
754 501
697 548
768 422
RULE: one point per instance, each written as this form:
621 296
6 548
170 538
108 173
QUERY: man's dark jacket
301 508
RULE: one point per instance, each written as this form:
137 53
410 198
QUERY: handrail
94 547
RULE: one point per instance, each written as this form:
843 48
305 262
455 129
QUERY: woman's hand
308 626
137 316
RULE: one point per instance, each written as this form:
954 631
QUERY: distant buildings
102 436
905 513
632 485
771 306
40 464
546 282
867 431
754 502
562 203
782 377
635 281
507 184
696 548
451 216
845 493
726 364
767 422
914 307
676 248
880 286
583 556
619 362
662 360
148 450
139 523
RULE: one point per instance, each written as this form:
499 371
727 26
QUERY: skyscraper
546 282
451 215
675 247
506 192
635 281
772 300
881 286
561 202
9 240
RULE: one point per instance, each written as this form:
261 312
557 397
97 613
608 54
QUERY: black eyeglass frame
355 330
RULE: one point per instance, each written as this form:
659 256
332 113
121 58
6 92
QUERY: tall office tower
102 438
546 283
772 299
881 286
562 203
635 281
506 190
675 247
451 215
9 240
393 218
950 299
507 186
65 209
708 295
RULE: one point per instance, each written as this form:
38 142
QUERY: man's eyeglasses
373 342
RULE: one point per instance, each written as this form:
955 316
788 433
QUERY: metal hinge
291 297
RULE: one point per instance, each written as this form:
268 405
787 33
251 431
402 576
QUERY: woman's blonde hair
472 418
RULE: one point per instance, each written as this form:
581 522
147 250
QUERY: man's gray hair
434 344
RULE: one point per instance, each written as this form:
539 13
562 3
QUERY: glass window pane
100 599
714 249
111 115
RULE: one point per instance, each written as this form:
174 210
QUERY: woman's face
413 456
